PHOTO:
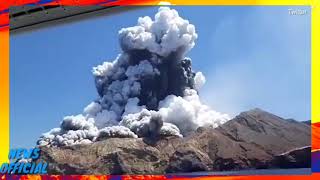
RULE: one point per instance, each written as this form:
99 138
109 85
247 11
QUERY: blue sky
251 57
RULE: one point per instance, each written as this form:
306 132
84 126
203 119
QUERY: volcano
254 139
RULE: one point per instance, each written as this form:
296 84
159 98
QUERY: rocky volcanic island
252 140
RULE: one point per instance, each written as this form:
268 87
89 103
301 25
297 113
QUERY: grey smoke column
173 76
148 90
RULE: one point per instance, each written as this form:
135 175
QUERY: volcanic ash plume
149 90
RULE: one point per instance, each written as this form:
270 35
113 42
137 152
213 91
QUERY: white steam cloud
149 90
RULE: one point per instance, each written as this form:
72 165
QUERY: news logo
24 161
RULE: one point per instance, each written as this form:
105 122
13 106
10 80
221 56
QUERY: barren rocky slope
253 139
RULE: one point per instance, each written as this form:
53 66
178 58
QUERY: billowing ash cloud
149 90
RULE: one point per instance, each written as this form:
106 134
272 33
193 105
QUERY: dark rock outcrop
296 158
252 140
